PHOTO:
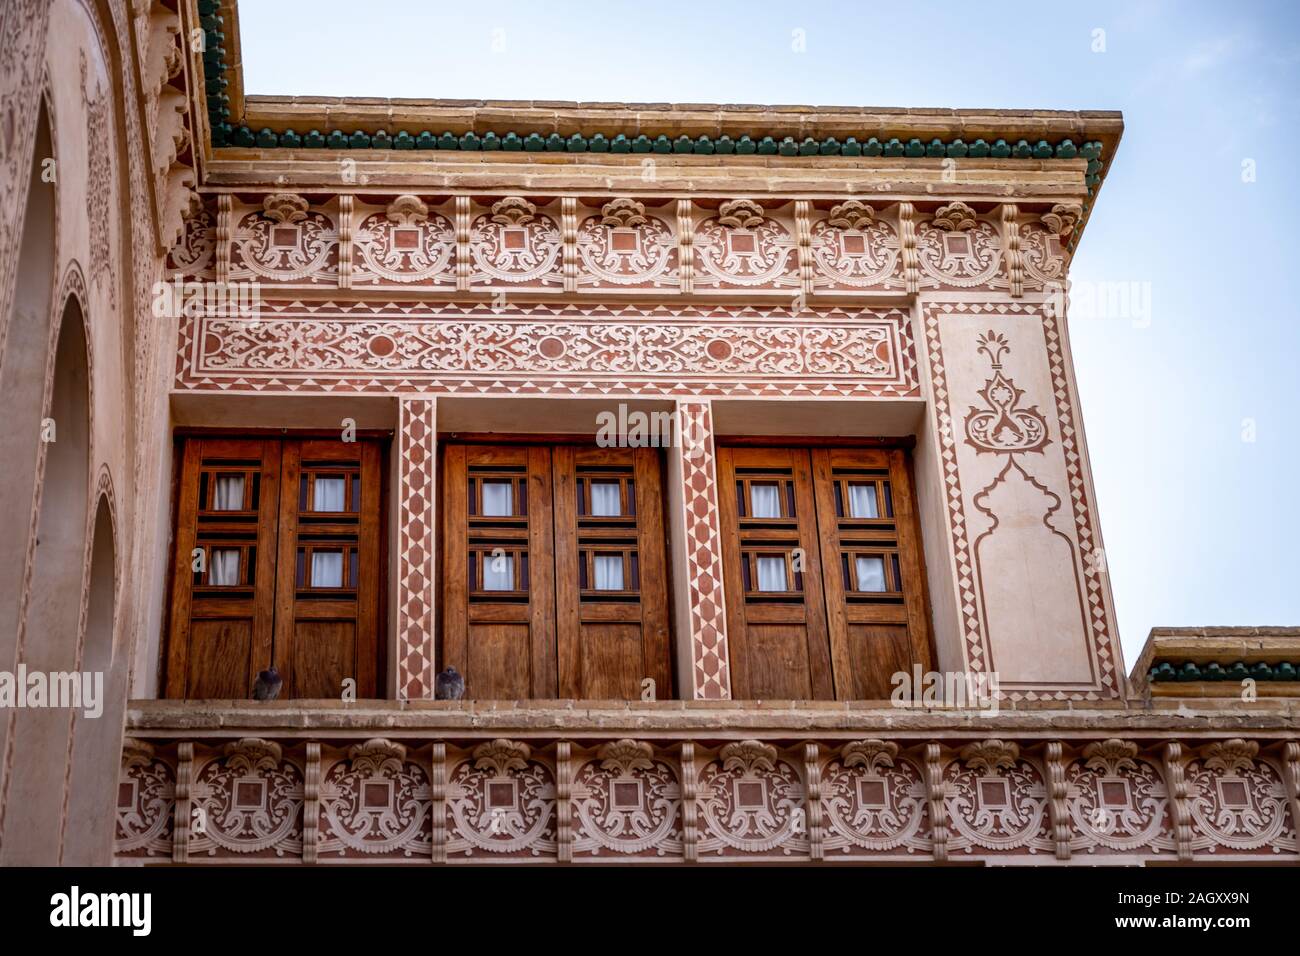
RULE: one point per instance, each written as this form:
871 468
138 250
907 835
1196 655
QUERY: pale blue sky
1200 525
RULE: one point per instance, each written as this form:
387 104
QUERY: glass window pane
228 494
328 494
609 572
862 501
771 573
498 571
327 569
605 500
766 500
223 567
498 500
871 572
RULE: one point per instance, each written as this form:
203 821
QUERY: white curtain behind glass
609 572
228 495
862 501
771 573
327 566
328 495
498 572
223 567
604 499
871 573
497 501
766 501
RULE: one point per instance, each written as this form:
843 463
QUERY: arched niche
97 740
22 384
48 641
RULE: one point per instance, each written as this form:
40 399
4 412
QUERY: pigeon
449 685
268 684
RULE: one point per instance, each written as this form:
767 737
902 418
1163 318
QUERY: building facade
732 455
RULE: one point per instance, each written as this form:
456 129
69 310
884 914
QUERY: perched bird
449 685
268 684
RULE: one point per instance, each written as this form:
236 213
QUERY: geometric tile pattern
710 674
417 438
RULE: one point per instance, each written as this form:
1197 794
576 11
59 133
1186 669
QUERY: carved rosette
1237 801
627 801
502 801
751 801
855 249
247 800
741 247
874 801
956 249
1116 801
285 242
405 243
145 801
376 802
996 799
626 247
516 244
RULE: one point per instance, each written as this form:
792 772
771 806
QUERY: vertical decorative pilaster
907 239
345 242
563 804
1289 757
934 793
690 808
1058 792
1176 785
225 232
311 803
812 762
698 547
417 446
803 233
463 261
1011 249
569 240
438 801
686 246
183 808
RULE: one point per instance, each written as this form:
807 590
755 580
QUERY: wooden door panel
251 607
612 664
876 653
324 655
498 608
778 636
498 667
778 663
859 612
610 567
220 658
327 594
870 549
222 614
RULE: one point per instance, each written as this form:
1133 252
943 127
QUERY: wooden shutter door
222 615
327 599
776 614
498 571
610 577
871 554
